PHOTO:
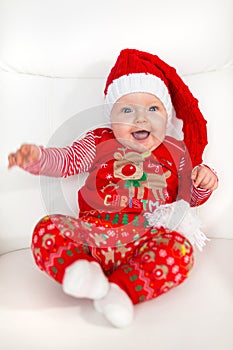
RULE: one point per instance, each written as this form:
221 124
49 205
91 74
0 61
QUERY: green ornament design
142 298
61 261
153 230
77 250
54 269
127 269
146 223
116 219
133 278
138 288
107 217
69 253
136 221
125 219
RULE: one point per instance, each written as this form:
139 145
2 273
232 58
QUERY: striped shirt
81 155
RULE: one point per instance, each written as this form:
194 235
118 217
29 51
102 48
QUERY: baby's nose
140 116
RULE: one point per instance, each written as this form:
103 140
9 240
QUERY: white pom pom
178 216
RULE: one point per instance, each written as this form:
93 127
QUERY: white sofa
54 58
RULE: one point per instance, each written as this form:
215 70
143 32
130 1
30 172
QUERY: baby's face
139 121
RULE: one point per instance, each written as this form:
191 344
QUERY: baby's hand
24 155
204 178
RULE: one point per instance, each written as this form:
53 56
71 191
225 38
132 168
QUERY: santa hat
137 71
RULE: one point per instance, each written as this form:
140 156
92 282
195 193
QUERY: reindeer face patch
128 165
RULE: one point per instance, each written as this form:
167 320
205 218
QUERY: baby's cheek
159 133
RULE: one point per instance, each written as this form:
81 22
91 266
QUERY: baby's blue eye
153 109
127 110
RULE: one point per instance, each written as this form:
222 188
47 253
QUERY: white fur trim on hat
137 82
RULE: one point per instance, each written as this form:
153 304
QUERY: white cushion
35 314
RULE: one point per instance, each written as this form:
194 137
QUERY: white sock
84 279
116 306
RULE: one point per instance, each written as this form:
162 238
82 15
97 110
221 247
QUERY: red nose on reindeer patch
128 170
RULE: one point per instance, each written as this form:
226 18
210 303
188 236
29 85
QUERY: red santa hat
137 71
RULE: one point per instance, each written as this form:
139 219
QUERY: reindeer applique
129 167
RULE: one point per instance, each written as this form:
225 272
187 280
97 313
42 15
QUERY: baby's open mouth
141 134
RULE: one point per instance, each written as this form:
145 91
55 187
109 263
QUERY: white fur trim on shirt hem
178 216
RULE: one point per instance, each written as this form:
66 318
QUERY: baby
112 253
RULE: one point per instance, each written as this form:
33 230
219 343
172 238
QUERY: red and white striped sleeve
199 196
194 195
67 161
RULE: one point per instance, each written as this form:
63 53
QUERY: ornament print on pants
144 266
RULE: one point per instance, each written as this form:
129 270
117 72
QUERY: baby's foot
84 279
116 306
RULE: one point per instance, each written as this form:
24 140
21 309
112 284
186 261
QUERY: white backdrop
54 58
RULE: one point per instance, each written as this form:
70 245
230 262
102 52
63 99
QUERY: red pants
144 265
